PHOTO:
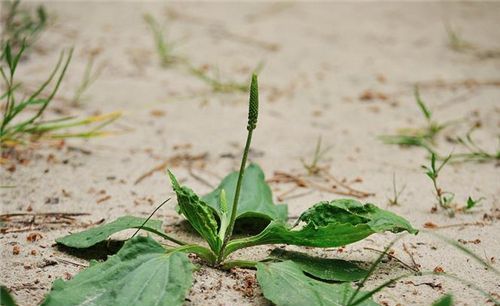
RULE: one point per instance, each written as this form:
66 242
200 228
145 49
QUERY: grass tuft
23 117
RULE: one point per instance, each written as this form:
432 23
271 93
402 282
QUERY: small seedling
21 26
426 138
394 201
17 121
471 203
215 82
423 137
164 47
445 198
456 42
475 153
319 153
144 272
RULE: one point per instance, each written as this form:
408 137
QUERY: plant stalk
252 124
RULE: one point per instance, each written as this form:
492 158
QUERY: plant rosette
145 272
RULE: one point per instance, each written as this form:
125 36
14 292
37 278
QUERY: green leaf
8 57
423 108
284 283
5 298
446 300
198 213
329 224
322 268
256 199
141 273
471 203
98 234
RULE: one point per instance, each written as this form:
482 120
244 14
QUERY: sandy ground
319 60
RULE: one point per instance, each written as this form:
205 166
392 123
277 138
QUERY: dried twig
66 261
49 214
174 161
430 225
283 177
199 178
407 251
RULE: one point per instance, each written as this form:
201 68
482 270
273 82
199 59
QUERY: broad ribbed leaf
141 273
285 284
348 211
198 213
322 268
98 234
256 199
329 224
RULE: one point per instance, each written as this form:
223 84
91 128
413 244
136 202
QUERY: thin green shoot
90 75
394 201
423 137
444 198
149 217
371 270
318 155
216 83
475 153
20 25
456 42
164 47
47 128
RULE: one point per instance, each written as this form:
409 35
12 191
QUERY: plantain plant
147 272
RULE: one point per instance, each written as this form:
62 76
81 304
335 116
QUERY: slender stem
234 210
253 113
238 186
149 217
372 269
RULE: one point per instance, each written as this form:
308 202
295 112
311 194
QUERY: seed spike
253 108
